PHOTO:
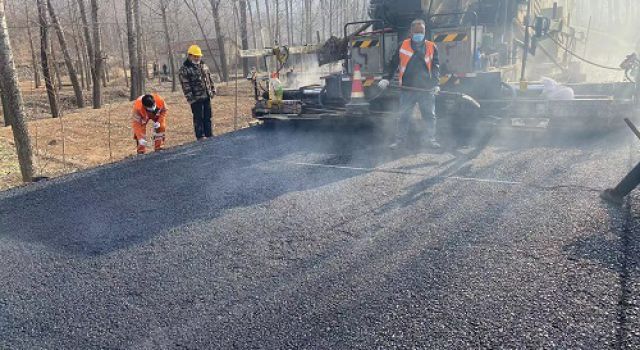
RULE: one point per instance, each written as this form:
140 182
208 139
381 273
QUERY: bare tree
95 76
34 57
164 5
287 12
76 43
15 108
191 5
97 56
244 35
290 20
73 76
142 68
120 44
44 59
277 15
270 38
323 4
307 16
5 106
260 25
133 51
215 11
254 37
53 65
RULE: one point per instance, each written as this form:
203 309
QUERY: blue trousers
426 102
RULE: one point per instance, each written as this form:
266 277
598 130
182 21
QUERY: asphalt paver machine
484 48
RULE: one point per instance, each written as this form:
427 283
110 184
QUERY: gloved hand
436 90
142 142
156 125
383 84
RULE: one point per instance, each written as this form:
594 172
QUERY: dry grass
86 138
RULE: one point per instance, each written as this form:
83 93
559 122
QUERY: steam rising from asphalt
608 46
308 71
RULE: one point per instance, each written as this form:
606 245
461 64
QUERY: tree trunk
308 29
73 76
215 10
79 62
244 36
54 66
331 18
167 38
132 45
260 24
90 61
253 25
291 22
145 50
286 21
277 15
104 73
253 33
97 56
52 93
11 91
121 45
142 69
266 6
323 5
34 57
303 22
87 63
5 106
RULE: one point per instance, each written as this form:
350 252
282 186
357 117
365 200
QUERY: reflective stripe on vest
406 52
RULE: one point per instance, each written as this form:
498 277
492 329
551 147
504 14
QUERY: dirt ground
85 138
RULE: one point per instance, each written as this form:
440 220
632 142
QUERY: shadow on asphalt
620 254
129 203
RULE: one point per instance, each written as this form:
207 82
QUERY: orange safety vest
406 52
142 116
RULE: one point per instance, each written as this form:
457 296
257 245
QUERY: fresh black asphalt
319 237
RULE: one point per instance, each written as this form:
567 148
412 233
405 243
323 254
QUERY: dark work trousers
202 118
426 101
629 182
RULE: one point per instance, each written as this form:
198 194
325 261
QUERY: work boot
158 145
610 196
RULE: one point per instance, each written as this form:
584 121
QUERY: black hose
582 58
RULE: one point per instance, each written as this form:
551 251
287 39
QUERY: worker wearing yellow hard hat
199 89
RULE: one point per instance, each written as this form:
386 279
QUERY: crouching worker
149 108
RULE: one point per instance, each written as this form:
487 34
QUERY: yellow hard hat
195 50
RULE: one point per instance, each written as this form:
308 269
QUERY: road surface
320 238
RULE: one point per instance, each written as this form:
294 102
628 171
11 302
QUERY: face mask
152 109
417 37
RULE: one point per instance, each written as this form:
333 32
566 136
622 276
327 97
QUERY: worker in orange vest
419 77
149 108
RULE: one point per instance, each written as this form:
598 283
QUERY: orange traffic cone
358 103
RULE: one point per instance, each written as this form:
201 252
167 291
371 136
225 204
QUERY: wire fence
86 138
